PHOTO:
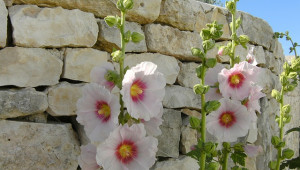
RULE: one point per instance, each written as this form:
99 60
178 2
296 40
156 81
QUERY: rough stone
258 52
187 75
84 140
80 62
180 97
37 146
38 118
267 80
15 103
278 51
143 12
52 27
213 53
188 139
109 37
171 41
190 112
62 99
3 25
29 67
168 141
275 65
167 65
182 163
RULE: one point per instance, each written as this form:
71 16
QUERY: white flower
211 79
252 150
127 148
152 125
87 157
98 75
98 111
143 91
252 102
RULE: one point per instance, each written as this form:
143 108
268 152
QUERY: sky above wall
281 15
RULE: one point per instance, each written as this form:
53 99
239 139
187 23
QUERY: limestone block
3 25
84 140
109 37
62 99
167 65
190 112
37 146
188 139
79 62
15 103
182 163
144 11
187 76
171 41
52 27
258 52
168 141
179 97
38 118
267 80
275 65
278 51
213 53
29 67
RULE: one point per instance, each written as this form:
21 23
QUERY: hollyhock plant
229 122
127 148
98 75
98 111
152 125
250 58
252 150
236 82
87 157
211 79
143 91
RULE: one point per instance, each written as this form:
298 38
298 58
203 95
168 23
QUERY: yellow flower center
226 118
235 79
135 90
125 151
104 110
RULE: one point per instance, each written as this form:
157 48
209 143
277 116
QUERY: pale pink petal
98 75
152 126
87 157
252 150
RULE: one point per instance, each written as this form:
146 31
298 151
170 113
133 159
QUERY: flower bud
197 52
287 153
292 75
116 56
244 39
111 20
231 6
128 4
200 89
205 34
275 94
287 119
275 140
137 37
286 109
283 80
221 51
208 44
272 164
290 87
286 67
212 106
295 64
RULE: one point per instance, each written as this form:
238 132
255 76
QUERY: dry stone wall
49 47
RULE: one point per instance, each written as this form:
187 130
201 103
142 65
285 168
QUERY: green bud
116 56
275 94
292 75
137 37
295 64
195 122
211 62
212 106
120 5
209 147
244 39
286 67
231 6
127 36
286 109
237 59
226 145
275 140
111 20
200 89
216 30
208 44
199 71
128 4
213 166
197 52
112 76
277 119
287 119
290 87
287 153
272 165
205 34
238 147
238 22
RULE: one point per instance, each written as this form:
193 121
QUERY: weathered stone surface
37 146
187 75
190 112
213 53
79 62
62 99
188 139
38 118
171 41
267 80
165 64
52 27
275 65
182 163
84 140
258 52
29 67
143 12
179 97
278 51
168 141
3 25
15 103
109 37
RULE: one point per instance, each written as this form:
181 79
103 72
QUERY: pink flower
98 111
211 79
236 82
229 122
143 91
98 75
87 157
127 148
250 58
221 51
152 125
252 150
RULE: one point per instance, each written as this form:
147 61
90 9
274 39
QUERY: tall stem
121 62
279 150
203 124
224 164
294 48
233 45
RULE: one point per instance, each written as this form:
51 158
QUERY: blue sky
281 15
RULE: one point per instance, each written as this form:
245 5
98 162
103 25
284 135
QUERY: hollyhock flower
221 51
211 79
98 111
127 148
152 125
87 157
236 82
250 58
143 91
229 122
252 150
98 75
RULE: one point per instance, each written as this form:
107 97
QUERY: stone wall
48 48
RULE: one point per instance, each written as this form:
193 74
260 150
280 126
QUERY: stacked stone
51 46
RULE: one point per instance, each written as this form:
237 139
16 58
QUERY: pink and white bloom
252 150
250 58
143 91
236 82
87 157
98 111
127 148
98 75
229 122
152 125
211 79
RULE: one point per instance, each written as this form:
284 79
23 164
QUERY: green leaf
212 106
208 45
212 166
211 62
287 153
209 147
275 140
205 34
195 154
127 36
199 71
137 37
195 122
291 164
238 147
197 52
272 165
296 129
292 75
238 158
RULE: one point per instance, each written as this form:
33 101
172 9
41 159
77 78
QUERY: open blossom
152 125
250 58
236 82
98 111
143 91
229 122
252 150
87 157
211 79
98 75
127 148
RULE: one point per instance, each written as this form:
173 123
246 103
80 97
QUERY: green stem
225 161
121 62
233 45
203 120
294 47
279 150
